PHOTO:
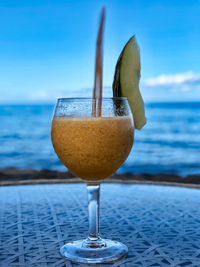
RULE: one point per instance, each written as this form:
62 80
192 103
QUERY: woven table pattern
160 225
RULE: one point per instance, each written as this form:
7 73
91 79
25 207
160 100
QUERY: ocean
169 143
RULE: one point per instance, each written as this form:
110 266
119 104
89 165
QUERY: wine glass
93 147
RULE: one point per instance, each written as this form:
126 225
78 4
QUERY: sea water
168 143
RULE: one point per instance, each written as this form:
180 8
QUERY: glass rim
91 98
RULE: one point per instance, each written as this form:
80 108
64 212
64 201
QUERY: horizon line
38 103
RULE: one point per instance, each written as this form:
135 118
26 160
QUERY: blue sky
47 48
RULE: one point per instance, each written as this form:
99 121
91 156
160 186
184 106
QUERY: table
159 224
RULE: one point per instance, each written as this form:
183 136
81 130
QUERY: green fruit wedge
126 80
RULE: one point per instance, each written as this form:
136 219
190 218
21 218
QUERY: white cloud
187 78
176 87
38 95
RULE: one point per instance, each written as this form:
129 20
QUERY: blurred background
47 50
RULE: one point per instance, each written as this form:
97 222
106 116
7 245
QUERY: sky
47 48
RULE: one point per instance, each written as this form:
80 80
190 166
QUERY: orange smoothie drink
92 148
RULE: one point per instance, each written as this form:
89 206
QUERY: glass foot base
77 252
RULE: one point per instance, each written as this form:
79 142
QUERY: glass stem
93 240
93 209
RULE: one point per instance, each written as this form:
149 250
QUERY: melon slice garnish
126 81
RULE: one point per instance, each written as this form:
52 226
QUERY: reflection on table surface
160 225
